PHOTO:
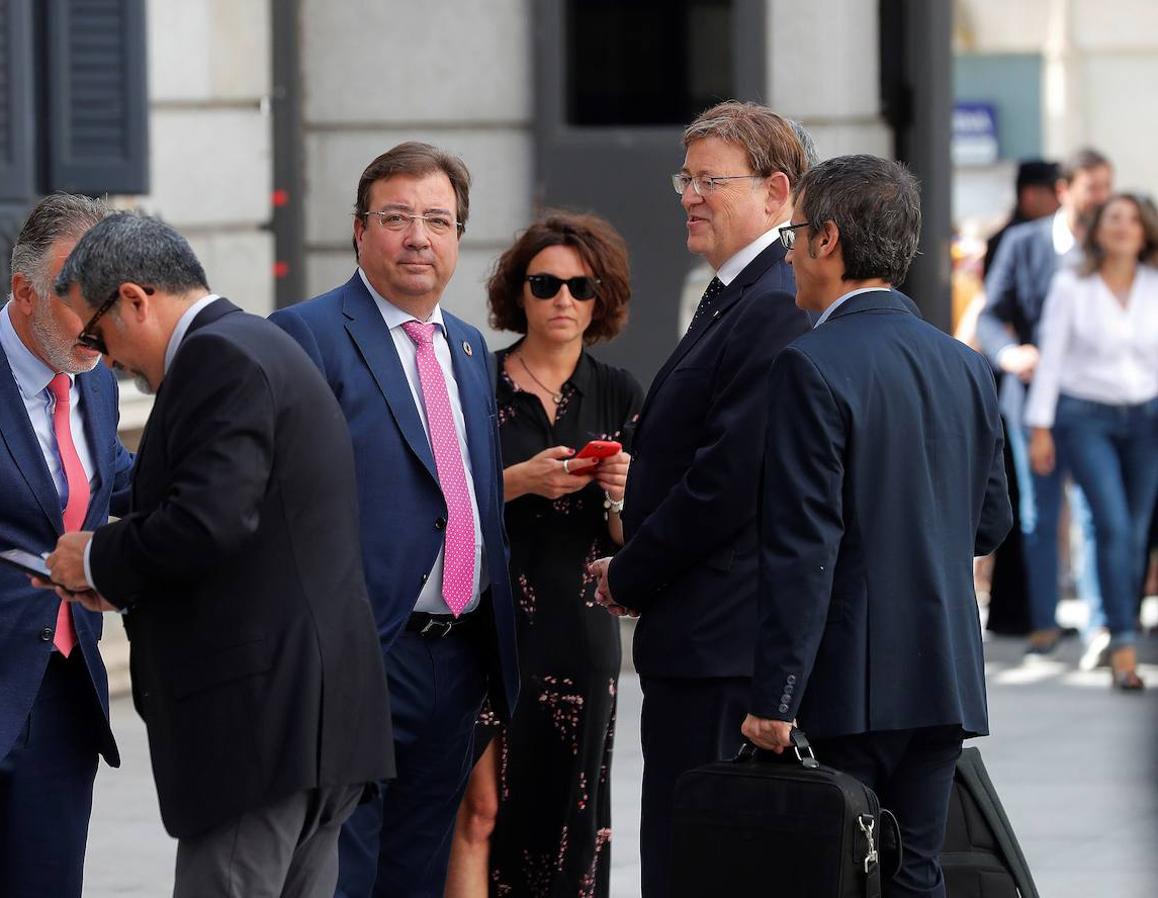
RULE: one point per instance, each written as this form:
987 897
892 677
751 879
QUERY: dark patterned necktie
704 309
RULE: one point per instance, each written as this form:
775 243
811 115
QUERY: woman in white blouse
1095 394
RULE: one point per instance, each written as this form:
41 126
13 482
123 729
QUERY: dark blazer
402 508
689 565
1015 290
254 660
883 477
30 518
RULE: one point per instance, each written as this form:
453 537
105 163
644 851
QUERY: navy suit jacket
883 477
689 563
30 518
400 501
1015 290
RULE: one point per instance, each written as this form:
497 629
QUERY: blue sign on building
974 133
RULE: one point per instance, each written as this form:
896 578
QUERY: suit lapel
100 431
752 272
24 447
472 390
369 332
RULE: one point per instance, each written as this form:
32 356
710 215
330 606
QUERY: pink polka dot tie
76 507
458 560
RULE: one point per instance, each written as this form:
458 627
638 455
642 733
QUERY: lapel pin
466 348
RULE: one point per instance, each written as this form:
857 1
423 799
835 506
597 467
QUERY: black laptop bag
981 857
764 824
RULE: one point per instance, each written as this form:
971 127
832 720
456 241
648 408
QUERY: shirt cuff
88 566
1001 352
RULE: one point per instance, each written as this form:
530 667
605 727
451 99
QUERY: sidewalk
1075 764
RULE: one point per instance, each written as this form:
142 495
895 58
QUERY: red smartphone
598 450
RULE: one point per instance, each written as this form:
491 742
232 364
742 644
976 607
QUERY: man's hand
771 735
87 599
1020 361
66 563
1042 456
603 597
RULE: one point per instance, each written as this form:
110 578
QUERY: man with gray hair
254 659
688 568
883 477
61 466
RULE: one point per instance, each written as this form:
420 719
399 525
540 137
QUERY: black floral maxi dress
552 837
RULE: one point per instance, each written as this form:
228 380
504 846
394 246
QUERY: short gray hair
130 247
811 157
56 217
875 204
768 139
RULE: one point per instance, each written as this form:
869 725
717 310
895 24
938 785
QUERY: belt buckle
441 628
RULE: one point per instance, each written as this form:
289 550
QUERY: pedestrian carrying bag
981 857
765 823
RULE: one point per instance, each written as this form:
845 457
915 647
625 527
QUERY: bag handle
800 747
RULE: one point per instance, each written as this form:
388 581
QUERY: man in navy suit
688 568
53 689
883 477
1015 291
413 382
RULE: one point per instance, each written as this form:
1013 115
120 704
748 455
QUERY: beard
61 353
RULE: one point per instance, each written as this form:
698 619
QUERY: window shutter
17 134
97 138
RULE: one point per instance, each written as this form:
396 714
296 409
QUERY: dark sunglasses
87 338
545 286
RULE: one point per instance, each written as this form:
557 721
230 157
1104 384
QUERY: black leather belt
435 626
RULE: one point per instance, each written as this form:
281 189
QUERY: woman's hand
546 475
1041 451
611 475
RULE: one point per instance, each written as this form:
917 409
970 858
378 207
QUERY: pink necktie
458 561
78 495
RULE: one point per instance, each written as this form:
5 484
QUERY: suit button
440 523
46 634
783 709
791 679
785 698
425 577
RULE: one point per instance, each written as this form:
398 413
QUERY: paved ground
1075 763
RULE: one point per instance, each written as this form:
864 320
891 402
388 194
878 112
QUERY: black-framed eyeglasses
788 234
86 337
394 220
704 184
546 286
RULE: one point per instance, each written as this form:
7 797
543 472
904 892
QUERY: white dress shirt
1093 346
32 379
430 598
731 269
832 308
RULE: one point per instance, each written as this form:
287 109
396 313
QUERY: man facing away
883 477
61 467
688 568
1015 290
253 656
413 383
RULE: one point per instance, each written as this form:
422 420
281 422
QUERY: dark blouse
552 541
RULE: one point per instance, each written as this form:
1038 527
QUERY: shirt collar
394 316
31 374
1063 237
581 378
851 293
732 268
182 328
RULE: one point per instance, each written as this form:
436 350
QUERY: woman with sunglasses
536 817
1095 395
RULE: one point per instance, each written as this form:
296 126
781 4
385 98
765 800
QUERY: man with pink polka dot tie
413 382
